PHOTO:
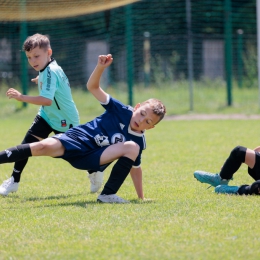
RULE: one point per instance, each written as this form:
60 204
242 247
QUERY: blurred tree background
156 33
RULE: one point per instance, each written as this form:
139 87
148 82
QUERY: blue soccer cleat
227 189
210 178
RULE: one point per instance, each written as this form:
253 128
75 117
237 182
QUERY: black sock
14 154
254 188
233 162
244 190
18 168
118 175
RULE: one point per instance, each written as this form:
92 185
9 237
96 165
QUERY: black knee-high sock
118 175
254 188
15 154
233 162
19 166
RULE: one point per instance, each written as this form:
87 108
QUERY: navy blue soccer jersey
109 128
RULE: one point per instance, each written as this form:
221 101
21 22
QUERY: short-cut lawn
54 216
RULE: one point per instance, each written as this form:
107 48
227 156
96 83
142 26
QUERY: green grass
53 215
208 97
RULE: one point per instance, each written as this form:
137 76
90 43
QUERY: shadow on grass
48 201
53 201
84 204
131 202
53 197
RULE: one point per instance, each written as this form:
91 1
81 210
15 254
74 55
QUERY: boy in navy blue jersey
57 112
117 134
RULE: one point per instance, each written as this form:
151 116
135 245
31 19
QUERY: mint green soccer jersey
54 84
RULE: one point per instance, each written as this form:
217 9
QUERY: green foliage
165 20
164 69
250 66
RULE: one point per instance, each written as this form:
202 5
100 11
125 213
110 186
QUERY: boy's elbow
88 86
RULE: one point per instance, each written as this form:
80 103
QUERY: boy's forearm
93 83
136 175
35 100
94 79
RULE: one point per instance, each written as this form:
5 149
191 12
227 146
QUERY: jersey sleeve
114 105
48 84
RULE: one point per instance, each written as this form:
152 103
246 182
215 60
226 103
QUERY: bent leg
118 175
127 153
20 165
254 166
250 158
38 131
233 162
47 147
127 149
14 154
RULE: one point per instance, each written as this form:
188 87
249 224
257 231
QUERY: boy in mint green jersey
57 111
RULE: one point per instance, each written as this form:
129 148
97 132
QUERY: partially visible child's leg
39 130
118 175
14 154
47 147
253 162
17 154
254 167
127 153
252 159
253 189
233 162
20 165
237 156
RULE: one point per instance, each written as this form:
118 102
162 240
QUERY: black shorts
41 128
255 172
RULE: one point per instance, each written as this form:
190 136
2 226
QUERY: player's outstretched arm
36 100
136 175
93 83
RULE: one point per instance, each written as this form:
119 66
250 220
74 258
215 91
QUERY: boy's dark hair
157 106
36 40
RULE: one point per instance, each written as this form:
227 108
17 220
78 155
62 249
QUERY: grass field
53 215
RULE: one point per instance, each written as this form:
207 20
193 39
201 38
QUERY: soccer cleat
112 198
96 180
210 178
227 189
8 186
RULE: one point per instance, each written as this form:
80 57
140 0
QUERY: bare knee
48 147
37 148
131 149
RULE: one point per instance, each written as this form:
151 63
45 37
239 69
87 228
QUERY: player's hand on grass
147 200
35 80
13 93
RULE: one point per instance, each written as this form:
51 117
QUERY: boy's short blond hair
157 106
36 40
